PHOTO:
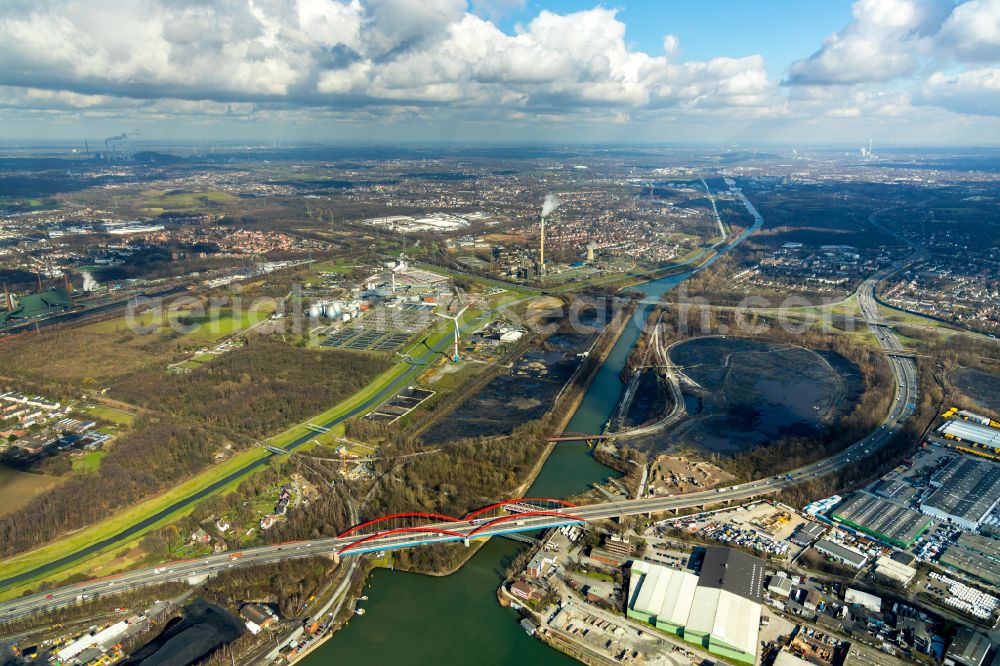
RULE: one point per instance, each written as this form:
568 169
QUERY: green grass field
185 201
88 462
111 414
211 328
337 266
198 327
83 538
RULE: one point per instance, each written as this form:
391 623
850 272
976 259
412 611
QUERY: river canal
425 620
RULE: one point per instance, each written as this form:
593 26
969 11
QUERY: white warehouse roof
729 618
723 601
666 593
862 598
971 432
890 568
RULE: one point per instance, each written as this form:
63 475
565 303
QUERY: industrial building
90 647
12 308
882 519
895 571
971 432
863 599
807 533
975 555
661 596
897 491
840 553
969 648
780 586
968 489
786 658
719 609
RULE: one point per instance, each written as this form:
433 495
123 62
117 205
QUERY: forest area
716 285
155 454
258 390
232 401
326 515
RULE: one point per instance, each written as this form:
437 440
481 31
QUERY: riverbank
583 377
439 620
565 405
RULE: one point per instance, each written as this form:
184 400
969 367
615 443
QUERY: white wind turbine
455 319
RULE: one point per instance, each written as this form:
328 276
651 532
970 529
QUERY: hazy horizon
898 72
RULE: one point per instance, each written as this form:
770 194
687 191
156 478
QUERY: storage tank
315 311
332 310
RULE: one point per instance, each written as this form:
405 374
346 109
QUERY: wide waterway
425 620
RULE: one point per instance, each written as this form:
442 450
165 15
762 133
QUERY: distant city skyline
898 72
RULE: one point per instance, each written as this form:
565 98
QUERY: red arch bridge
405 530
401 530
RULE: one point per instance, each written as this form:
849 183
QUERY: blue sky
905 72
781 30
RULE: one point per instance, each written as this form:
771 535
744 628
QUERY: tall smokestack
549 205
38 274
541 249
6 298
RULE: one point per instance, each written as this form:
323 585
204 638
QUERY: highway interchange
903 368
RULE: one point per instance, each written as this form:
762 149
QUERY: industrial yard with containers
901 569
813 591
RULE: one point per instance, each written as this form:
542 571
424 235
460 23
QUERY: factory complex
882 519
718 609
967 490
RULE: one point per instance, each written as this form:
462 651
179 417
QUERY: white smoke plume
550 204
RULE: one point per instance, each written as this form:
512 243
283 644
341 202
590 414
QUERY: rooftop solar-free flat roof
732 570
881 518
970 488
971 432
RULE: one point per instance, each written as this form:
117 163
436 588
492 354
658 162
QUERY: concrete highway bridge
408 530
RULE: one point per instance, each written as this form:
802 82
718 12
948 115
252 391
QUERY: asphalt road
904 369
903 405
125 534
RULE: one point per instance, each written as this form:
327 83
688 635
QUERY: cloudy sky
903 72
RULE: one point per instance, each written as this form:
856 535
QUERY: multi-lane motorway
417 363
904 369
904 403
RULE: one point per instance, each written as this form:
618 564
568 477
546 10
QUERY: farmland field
18 488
